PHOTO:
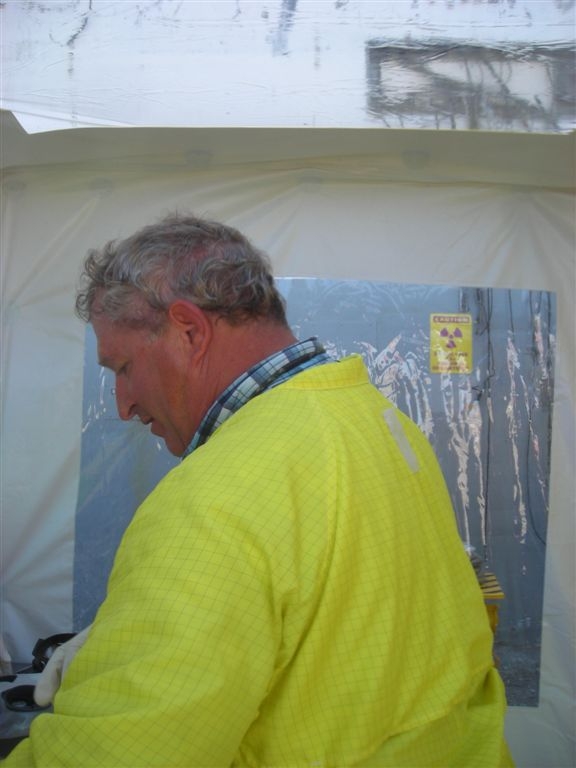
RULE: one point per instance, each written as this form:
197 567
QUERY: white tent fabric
359 216
292 142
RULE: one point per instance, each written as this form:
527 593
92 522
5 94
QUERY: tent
344 139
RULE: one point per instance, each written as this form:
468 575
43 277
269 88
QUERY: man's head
180 309
134 281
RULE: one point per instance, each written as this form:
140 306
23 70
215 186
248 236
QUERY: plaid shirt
264 375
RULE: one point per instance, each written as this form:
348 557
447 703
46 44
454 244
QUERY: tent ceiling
545 160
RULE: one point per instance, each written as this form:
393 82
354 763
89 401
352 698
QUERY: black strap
45 647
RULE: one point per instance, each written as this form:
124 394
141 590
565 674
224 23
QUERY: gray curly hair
134 281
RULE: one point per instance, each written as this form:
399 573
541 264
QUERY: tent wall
396 216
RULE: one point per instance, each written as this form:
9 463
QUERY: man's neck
236 348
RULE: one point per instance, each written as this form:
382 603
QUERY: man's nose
124 402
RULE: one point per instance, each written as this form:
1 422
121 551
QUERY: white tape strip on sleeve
395 427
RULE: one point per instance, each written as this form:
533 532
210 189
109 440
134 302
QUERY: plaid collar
264 375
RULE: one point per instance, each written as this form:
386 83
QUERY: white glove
54 671
5 660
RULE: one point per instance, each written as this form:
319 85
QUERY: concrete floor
520 670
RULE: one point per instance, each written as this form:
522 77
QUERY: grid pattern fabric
293 594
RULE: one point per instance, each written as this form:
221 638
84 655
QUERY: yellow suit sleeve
180 654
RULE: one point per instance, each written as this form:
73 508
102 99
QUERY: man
294 593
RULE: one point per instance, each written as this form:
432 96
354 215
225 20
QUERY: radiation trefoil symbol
452 339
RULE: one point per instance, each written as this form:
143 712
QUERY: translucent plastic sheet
488 64
337 221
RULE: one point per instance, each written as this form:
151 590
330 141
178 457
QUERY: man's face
152 379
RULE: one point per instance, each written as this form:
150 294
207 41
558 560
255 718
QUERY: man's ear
194 323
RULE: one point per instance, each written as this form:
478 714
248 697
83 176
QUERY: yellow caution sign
450 343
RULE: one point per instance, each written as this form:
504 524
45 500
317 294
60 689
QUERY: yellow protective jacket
293 594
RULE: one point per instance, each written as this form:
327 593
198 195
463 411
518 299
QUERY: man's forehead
105 357
108 337
116 341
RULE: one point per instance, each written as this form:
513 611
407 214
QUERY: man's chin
174 446
173 443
